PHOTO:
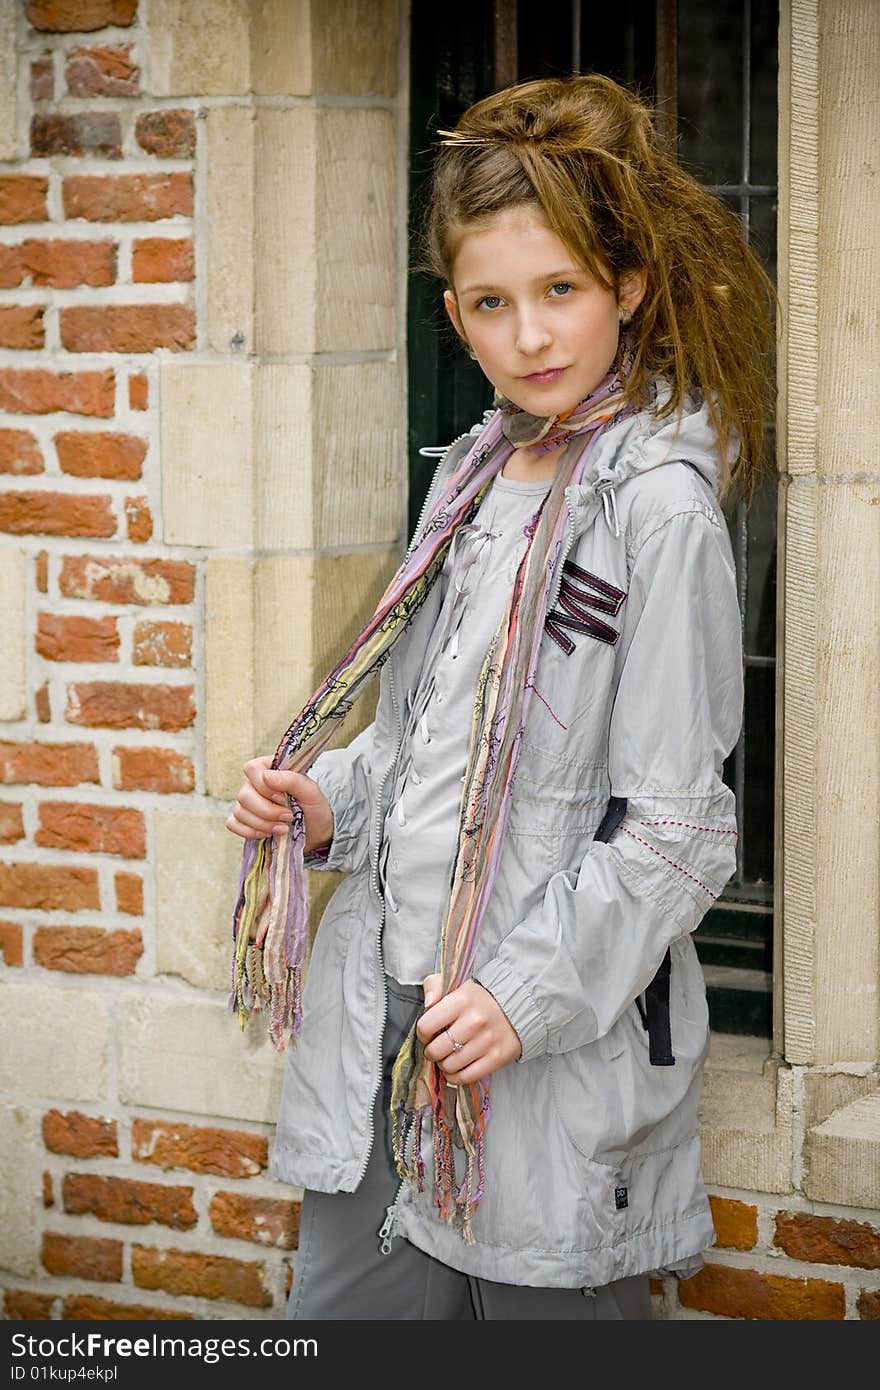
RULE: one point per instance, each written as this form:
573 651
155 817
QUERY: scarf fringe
419 1090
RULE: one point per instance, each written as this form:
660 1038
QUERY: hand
471 1016
262 809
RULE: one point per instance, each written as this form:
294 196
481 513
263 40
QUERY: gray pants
339 1272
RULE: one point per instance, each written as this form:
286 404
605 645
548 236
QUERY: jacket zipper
386 1229
600 489
440 452
569 542
374 881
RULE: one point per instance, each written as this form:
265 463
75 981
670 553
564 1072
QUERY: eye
489 301
563 288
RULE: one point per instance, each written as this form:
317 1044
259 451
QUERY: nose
532 333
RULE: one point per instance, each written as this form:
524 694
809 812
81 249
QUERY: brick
48 887
21 326
746 1293
88 950
86 132
825 1240
127 197
82 1257
62 638
76 826
138 519
226 1153
128 1202
80 1136
56 514
100 454
152 770
49 764
129 894
118 705
128 328
868 1304
42 703
102 72
163 644
162 260
42 78
138 391
167 134
736 1223
202 1276
39 392
266 1220
41 571
79 16
124 580
48 1191
20 1305
11 944
19 452
61 265
23 198
83 1308
11 823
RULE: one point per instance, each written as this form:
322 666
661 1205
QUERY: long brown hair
586 152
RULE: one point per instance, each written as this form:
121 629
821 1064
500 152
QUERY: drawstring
605 488
610 496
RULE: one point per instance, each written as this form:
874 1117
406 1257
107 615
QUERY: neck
532 466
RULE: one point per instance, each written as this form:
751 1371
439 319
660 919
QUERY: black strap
654 1013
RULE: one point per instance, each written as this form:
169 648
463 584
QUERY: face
544 331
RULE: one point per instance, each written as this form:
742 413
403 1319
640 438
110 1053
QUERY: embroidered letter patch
575 598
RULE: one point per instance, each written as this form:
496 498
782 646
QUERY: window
711 70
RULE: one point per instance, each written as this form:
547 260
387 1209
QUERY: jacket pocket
614 1104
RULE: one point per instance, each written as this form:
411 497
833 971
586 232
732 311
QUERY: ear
451 305
632 290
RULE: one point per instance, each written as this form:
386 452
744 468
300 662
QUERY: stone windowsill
746 1128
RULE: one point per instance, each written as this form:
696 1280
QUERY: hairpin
452 137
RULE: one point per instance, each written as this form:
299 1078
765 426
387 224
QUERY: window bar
576 19
505 57
667 71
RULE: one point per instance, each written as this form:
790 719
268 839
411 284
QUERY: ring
457 1045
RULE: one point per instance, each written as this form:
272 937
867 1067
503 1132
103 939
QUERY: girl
492 1103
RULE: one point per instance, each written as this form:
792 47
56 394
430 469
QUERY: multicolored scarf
270 921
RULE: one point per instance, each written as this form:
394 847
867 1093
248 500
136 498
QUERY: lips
544 378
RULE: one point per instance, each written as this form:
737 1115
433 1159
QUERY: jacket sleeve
581 956
345 777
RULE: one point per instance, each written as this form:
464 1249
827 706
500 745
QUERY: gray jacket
592 1154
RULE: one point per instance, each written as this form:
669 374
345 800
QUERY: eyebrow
567 274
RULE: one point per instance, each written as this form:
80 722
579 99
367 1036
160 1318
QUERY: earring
470 352
625 317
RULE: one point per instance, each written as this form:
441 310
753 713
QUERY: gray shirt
421 827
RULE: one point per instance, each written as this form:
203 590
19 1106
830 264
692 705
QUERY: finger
262 823
443 1050
245 831
433 987
261 807
477 1071
435 1019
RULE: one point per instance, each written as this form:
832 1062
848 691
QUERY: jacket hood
641 443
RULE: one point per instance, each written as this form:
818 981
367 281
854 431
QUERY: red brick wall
96 277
